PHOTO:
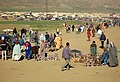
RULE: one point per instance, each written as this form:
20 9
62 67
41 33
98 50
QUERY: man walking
66 54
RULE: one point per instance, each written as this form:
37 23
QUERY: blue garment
106 57
28 52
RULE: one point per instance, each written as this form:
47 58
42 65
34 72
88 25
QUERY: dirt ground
50 71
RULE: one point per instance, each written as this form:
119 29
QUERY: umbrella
76 51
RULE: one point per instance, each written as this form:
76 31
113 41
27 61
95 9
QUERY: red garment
93 32
88 38
26 44
88 34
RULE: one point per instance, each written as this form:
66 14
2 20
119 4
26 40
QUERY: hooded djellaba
113 58
16 55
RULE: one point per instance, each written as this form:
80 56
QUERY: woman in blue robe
28 52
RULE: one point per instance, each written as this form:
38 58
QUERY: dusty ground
43 71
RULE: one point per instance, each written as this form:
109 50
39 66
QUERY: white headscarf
42 37
112 44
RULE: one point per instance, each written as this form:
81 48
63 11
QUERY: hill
101 6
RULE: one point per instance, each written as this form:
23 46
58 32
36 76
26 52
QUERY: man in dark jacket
66 54
102 39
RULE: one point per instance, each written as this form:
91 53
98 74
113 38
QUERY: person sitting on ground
113 59
104 58
16 55
28 52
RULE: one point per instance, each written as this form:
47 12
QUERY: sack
17 57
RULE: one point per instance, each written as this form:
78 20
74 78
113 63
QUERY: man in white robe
16 55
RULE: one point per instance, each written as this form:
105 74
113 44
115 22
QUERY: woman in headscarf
31 33
42 37
42 50
16 55
88 34
113 59
57 42
28 52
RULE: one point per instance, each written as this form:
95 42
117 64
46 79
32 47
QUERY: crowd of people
31 43
108 57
